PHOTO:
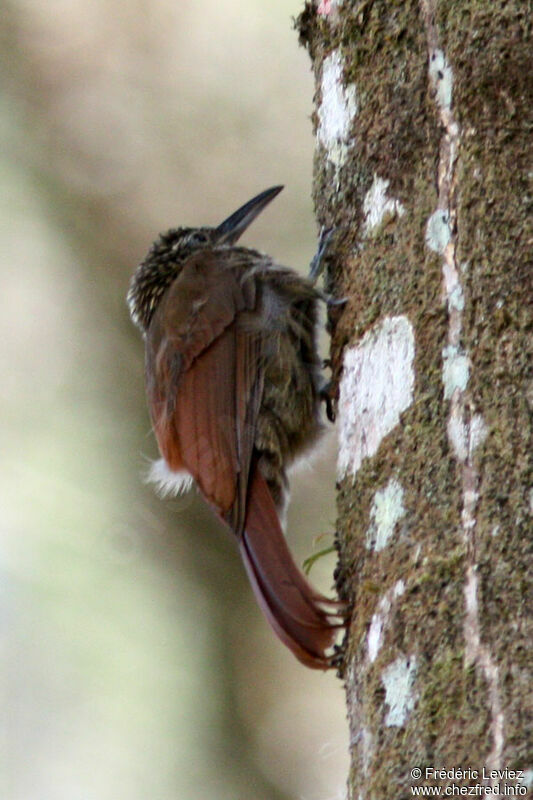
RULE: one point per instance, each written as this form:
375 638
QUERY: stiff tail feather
296 612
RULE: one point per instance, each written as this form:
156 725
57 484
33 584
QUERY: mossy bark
440 118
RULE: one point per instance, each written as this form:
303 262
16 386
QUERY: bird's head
170 250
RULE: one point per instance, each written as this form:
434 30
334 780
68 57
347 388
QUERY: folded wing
205 384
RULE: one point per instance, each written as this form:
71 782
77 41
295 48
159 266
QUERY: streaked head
168 253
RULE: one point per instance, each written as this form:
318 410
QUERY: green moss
443 695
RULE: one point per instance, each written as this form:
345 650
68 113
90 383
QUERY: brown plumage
233 386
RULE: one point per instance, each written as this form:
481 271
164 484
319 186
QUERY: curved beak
234 226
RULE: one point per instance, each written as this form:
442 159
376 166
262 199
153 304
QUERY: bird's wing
205 379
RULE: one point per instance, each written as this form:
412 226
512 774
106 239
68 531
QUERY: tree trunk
421 168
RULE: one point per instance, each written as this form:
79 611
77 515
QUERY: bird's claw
317 263
325 396
335 302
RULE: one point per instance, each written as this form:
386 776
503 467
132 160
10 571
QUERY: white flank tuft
167 482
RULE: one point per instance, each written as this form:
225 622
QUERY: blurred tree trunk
421 168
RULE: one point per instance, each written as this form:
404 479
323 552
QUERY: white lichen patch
476 652
398 679
452 287
441 76
375 636
387 509
457 435
377 206
380 619
465 437
478 432
456 299
337 110
528 778
367 748
377 385
438 233
455 370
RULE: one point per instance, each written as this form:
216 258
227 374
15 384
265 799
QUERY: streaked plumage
233 386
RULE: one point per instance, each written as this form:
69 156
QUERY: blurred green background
134 661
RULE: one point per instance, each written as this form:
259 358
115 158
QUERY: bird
234 389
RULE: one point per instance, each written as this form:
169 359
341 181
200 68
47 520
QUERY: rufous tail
296 612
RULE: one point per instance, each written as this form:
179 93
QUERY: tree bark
422 117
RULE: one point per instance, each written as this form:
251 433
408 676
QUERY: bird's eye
187 239
199 238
